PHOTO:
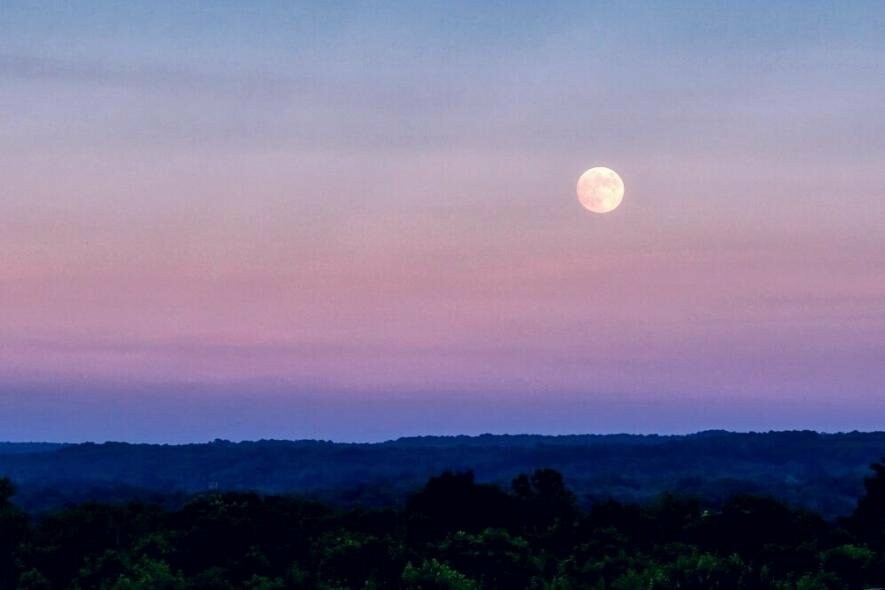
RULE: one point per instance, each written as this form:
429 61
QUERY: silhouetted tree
455 502
13 526
868 520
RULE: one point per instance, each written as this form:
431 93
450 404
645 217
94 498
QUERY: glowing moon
600 189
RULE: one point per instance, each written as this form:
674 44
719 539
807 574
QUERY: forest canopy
821 472
452 533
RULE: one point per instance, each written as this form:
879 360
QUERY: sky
357 220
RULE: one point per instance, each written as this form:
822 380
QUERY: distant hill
19 448
823 472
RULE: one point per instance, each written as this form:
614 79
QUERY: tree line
453 534
821 472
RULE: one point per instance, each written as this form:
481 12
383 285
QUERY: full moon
600 189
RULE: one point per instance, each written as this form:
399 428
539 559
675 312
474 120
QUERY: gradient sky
357 220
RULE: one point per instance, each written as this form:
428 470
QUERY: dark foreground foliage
453 534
